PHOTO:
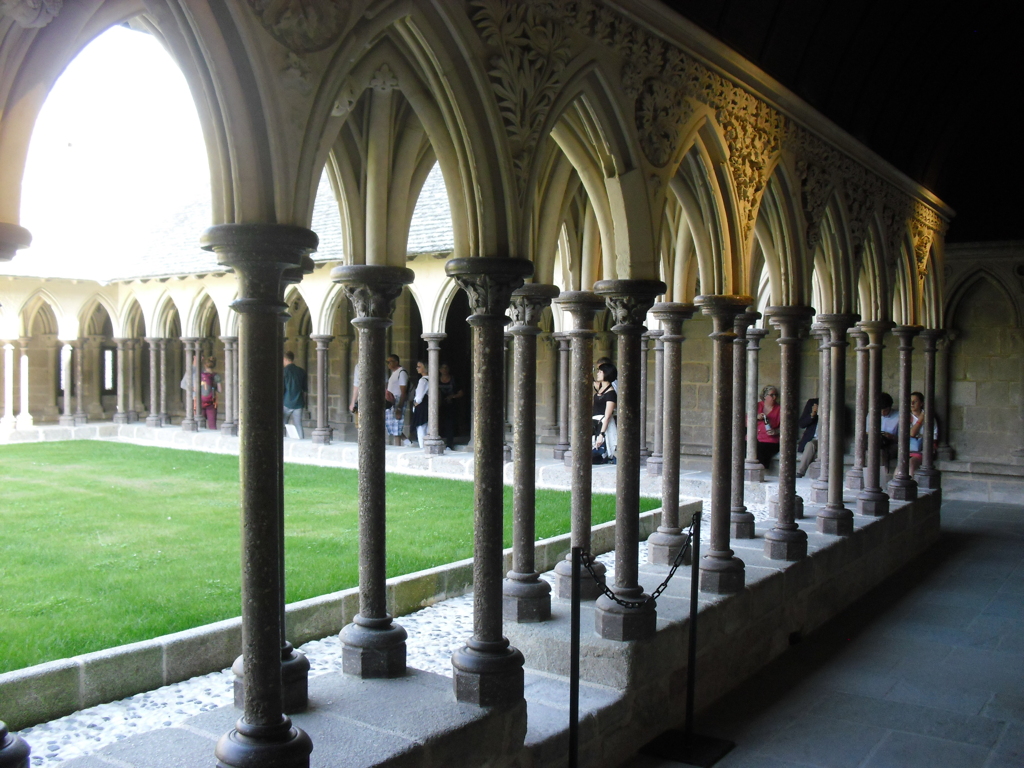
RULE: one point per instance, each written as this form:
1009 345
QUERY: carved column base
819 491
256 746
191 425
783 544
133 417
560 451
930 479
741 523
873 503
24 421
322 436
488 674
615 622
855 479
120 418
66 421
664 544
902 488
753 472
14 752
721 575
81 419
567 459
798 507
154 420
589 588
835 521
294 681
434 445
654 466
525 598
229 429
373 648
506 453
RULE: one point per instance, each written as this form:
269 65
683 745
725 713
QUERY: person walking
209 387
421 403
398 386
295 388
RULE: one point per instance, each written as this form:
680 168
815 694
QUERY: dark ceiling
929 86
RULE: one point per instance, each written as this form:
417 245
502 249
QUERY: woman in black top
605 401
449 392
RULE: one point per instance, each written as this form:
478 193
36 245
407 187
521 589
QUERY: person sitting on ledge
768 415
890 428
916 425
808 447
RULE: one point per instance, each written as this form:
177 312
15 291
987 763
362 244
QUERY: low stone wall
969 480
54 689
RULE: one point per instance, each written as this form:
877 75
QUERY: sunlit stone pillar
664 544
819 486
322 434
345 375
165 419
121 415
67 419
433 442
191 347
872 500
753 471
562 446
628 302
645 450
721 572
903 487
488 670
130 346
654 461
785 541
24 420
374 645
927 476
81 417
230 424
236 392
581 306
835 518
153 417
741 522
8 420
259 255
855 475
526 597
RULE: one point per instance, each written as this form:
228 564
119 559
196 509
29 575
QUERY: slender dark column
190 423
819 486
374 643
121 414
872 500
131 345
785 541
582 306
230 425
628 302
753 471
488 670
927 475
260 254
835 518
323 432
741 522
67 419
433 443
945 451
153 417
526 597
903 487
655 459
165 419
664 544
563 396
80 415
506 448
855 475
721 572
645 450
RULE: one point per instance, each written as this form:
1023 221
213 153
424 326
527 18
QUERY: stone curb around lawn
54 689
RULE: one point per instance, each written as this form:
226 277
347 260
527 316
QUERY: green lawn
106 543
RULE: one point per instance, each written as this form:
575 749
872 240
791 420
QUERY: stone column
819 486
153 417
872 500
165 419
130 379
345 375
433 442
374 645
645 451
563 396
855 475
582 306
259 255
628 302
323 432
229 426
945 452
236 392
191 347
654 461
8 420
526 597
664 544
721 572
488 670
67 419
81 417
927 476
753 471
506 448
741 522
24 420
903 487
785 541
836 519
121 415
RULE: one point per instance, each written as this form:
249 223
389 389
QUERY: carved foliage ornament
489 294
31 14
527 312
302 26
377 301
629 311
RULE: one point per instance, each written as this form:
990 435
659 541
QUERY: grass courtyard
107 543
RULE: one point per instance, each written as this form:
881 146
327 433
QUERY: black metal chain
588 563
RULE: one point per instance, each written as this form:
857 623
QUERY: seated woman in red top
768 413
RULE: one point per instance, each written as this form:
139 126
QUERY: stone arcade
620 183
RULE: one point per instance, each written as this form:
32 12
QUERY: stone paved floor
926 671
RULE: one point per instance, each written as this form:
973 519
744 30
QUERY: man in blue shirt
294 392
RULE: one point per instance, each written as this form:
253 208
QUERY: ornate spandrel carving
31 14
377 301
661 116
384 79
489 294
303 26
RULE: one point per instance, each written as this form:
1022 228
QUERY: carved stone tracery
302 26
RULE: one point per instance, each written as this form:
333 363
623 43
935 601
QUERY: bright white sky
116 152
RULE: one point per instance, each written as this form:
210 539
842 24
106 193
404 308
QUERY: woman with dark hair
768 415
605 401
916 425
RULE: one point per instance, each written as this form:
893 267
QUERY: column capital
858 333
433 339
229 339
12 239
838 320
489 282
932 337
324 338
372 290
723 305
528 303
742 322
629 301
583 306
789 320
672 314
754 336
906 334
